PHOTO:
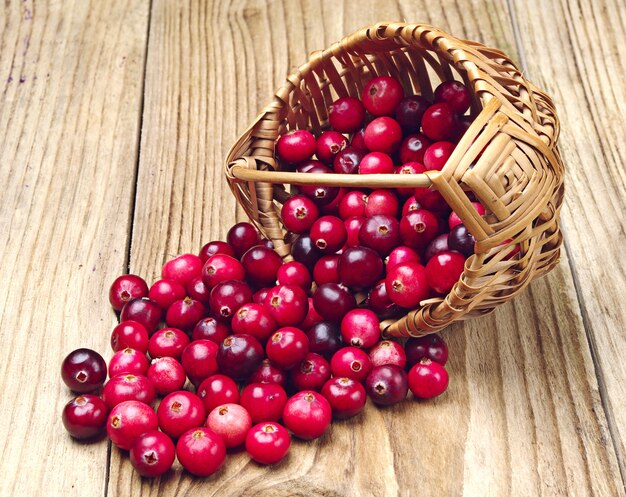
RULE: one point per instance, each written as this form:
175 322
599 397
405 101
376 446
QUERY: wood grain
70 95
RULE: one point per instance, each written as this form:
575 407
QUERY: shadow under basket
507 159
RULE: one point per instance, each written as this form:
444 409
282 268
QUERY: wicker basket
508 158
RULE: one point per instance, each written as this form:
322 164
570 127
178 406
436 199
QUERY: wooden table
115 117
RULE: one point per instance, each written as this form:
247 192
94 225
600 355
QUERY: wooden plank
523 415
70 93
580 61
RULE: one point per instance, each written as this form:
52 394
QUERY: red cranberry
438 122
307 414
379 301
266 373
382 202
353 204
210 329
299 213
184 314
383 134
321 195
444 270
255 320
227 297
428 379
267 443
197 290
329 144
353 226
413 147
382 95
242 237
407 284
239 356
166 292
168 342
325 270
199 360
332 301
287 304
360 328
129 420
296 146
387 353
126 288
328 234
351 362
455 220
411 204
219 268
360 267
438 244
201 451
125 387
432 200
152 454
261 265
461 240
387 385
258 297
85 416
167 375
455 94
311 374
180 411
304 250
287 347
129 334
402 255
381 233
182 269
418 228
264 401
294 273
376 163
408 168
312 316
430 347
83 370
410 111
324 338
217 390
143 310
232 422
357 141
437 155
216 247
346 397
128 361
347 161
346 114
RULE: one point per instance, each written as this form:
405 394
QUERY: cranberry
210 329
267 443
129 420
410 111
264 401
287 347
321 195
413 147
129 334
407 284
227 297
382 95
353 204
332 208
197 290
351 362
125 288
463 123
199 360
287 304
83 370
152 454
360 267
219 268
455 220
438 154
360 328
143 310
216 390
255 320
432 200
180 411
242 237
353 226
402 255
328 234
296 146
383 134
382 202
387 353
125 387
455 94
332 301
182 269
201 451
266 373
216 247
167 375
412 204
387 385
438 122
357 141
296 274
85 416
258 297
307 414
184 314
303 250
299 213
166 292
444 270
311 374
461 240
128 361
431 347
376 163
438 244
312 316
428 379
346 114
408 168
346 397
239 356
261 265
324 338
381 233
418 228
168 342
347 161
379 301
232 422
325 270
329 144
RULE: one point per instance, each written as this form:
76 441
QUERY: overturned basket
507 158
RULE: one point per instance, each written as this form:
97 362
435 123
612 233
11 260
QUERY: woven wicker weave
518 176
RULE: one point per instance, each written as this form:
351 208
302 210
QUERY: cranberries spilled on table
245 350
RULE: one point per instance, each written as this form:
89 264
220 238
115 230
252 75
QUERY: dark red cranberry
145 311
321 195
357 140
210 329
201 452
264 401
166 292
353 226
387 385
168 342
152 454
328 234
220 268
444 270
438 122
461 240
167 375
261 265
346 114
408 168
126 288
329 144
125 387
360 328
438 244
382 202
304 250
402 255
407 284
332 208
325 270
463 123
413 147
239 356
455 94
197 290
182 269
266 373
431 347
382 95
437 155
454 218
383 134
346 396
85 416
380 233
324 338
410 111
288 305
353 204
129 334
307 415
359 267
427 379
216 247
294 273
379 301
184 314
311 373
332 301
418 228
83 370
232 422
351 362
180 411
296 146
227 297
411 204
299 213
129 420
376 163
287 347
216 390
128 361
199 360
254 319
241 237
267 443
347 161
387 352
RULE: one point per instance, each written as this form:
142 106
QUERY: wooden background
115 117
